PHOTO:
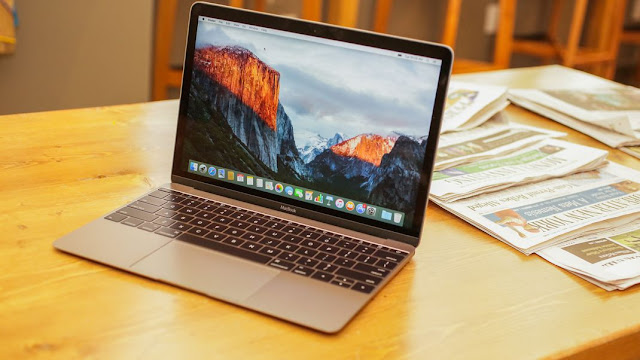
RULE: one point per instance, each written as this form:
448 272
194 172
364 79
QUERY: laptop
301 168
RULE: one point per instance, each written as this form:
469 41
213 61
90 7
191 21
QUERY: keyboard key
153 200
348 254
328 239
239 224
158 194
329 249
311 244
343 280
205 215
139 214
256 229
189 211
224 248
372 270
309 234
291 230
307 252
215 236
275 234
365 288
252 237
344 262
221 219
234 232
356 275
341 284
269 251
217 227
288 256
200 222
367 259
323 276
274 225
163 221
207 206
182 218
175 198
257 220
269 242
387 255
172 206
241 216
165 231
250 246
144 206
325 257
190 202
347 244
180 226
223 211
166 213
292 239
282 264
326 267
132 221
302 270
386 264
115 217
149 226
198 231
233 241
307 261
365 249
288 247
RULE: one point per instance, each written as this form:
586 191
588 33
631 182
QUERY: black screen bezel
400 233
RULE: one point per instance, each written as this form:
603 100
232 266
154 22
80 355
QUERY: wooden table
465 295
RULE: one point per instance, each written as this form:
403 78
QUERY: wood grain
464 295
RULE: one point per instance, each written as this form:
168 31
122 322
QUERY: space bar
224 248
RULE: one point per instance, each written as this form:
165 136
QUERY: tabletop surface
464 295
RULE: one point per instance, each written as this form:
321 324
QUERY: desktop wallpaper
334 119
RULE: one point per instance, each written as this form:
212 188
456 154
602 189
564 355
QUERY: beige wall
78 53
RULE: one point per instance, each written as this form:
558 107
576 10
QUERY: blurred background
77 53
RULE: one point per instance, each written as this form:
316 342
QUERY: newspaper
544 160
615 128
469 105
632 150
534 216
610 259
496 137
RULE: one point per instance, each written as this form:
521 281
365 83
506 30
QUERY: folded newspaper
547 159
610 115
535 216
469 105
610 259
496 137
632 150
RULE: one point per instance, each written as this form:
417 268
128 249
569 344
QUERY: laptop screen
332 125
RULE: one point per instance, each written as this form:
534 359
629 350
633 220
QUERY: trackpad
205 271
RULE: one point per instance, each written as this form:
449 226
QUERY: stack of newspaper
610 115
542 195
469 105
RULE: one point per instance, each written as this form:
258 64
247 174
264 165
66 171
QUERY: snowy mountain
313 144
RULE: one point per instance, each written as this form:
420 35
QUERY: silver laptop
301 168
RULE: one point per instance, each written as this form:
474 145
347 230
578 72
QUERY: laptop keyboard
289 246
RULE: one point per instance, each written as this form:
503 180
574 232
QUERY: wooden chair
501 52
603 37
165 76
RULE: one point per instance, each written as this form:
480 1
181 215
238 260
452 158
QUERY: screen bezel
399 233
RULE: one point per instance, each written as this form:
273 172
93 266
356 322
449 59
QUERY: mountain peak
255 83
366 147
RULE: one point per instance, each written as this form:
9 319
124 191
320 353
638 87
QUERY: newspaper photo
469 105
534 216
616 109
604 135
496 137
611 257
544 160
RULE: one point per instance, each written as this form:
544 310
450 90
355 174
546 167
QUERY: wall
78 53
